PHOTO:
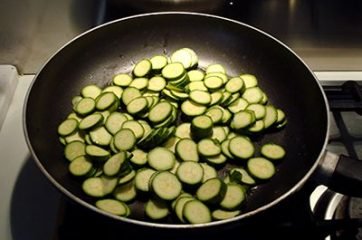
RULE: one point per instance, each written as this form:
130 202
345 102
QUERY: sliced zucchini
212 191
124 139
216 114
114 89
91 121
196 75
225 148
114 164
122 80
142 68
220 214
186 150
192 109
106 100
129 94
241 147
253 95
200 97
240 104
137 106
209 172
160 112
201 127
100 136
249 80
173 71
180 204
234 197
139 157
161 159
258 109
91 91
166 186
126 192
158 62
128 177
97 153
135 127
195 212
156 209
240 175
216 97
183 130
208 147
271 116
156 84
142 179
68 127
256 127
80 166
74 149
114 122
199 85
182 56
171 143
235 85
212 68
272 151
242 119
112 206
77 136
261 168
218 133
141 83
213 82
190 173
94 187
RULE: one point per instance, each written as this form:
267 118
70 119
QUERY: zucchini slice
156 209
166 185
272 151
212 191
112 206
186 150
241 147
196 212
190 173
261 168
161 159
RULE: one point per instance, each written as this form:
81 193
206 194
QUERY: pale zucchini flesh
161 132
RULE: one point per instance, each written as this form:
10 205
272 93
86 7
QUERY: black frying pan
95 56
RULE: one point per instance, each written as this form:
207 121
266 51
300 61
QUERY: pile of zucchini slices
162 134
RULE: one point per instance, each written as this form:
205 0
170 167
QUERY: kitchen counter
29 203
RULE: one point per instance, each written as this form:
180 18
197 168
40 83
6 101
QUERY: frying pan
95 56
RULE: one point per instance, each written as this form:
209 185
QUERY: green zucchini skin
175 136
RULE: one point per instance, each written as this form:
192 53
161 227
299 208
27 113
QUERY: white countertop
29 203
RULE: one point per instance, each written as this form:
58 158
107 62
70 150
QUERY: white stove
29 203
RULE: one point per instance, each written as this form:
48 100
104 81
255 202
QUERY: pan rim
276 201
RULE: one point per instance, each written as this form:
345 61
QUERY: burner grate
345 98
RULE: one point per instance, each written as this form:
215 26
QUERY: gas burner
342 213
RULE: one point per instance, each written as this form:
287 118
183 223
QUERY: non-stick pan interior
99 54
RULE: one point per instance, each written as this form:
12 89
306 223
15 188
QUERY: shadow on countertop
34 205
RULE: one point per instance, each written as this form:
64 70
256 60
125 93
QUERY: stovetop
32 208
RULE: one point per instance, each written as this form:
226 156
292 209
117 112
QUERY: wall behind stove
32 30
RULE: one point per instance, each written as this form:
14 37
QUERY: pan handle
341 174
